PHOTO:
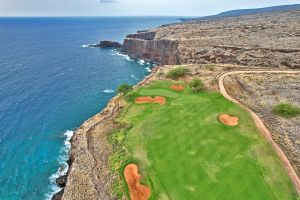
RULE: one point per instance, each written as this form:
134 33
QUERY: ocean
49 85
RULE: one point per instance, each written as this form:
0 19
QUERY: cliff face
145 46
271 39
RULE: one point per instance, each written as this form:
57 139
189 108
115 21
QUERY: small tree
177 72
124 88
197 85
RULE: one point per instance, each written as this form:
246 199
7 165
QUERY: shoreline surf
64 165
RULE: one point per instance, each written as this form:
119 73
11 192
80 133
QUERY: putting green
184 152
159 92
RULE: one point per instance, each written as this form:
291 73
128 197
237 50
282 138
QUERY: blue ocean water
50 84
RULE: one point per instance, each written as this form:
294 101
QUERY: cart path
259 123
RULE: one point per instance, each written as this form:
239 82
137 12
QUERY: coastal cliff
270 40
89 176
143 45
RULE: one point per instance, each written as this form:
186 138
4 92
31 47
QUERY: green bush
131 96
116 138
177 72
124 88
286 110
197 85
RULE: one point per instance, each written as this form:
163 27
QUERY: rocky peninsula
208 48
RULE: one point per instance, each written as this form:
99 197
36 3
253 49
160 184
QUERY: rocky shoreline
80 160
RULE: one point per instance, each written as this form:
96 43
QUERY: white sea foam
134 77
126 57
142 62
139 61
148 69
108 91
85 45
63 166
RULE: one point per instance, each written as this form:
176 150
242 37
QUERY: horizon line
58 16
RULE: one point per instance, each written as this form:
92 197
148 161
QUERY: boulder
61 181
58 196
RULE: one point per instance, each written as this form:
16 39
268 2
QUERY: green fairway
185 153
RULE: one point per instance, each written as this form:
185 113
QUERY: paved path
259 123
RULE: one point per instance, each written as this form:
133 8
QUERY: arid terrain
270 40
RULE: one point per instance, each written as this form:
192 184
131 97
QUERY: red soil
229 120
177 87
158 99
133 178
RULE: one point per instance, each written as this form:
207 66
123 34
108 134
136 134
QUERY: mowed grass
184 152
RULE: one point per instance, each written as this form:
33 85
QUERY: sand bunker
158 99
136 190
229 120
177 87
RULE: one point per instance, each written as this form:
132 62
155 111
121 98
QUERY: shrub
211 67
116 138
197 85
177 72
131 96
286 110
124 88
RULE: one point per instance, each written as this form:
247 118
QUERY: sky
129 7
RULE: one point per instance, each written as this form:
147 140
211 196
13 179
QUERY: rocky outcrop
61 181
271 40
143 45
157 51
107 44
143 35
58 196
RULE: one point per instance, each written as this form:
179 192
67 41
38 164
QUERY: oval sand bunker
158 99
133 178
177 87
229 120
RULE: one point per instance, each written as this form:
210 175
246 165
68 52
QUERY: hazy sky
128 7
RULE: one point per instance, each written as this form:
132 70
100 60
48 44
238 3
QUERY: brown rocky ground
89 176
261 92
271 40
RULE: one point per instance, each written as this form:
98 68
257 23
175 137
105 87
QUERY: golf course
183 151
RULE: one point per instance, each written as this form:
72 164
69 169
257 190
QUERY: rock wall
157 51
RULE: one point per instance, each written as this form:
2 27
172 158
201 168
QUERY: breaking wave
108 91
63 166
